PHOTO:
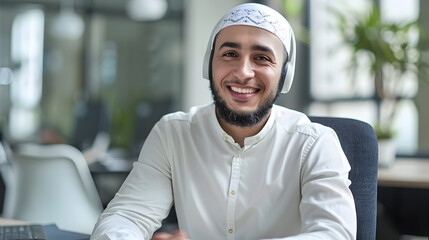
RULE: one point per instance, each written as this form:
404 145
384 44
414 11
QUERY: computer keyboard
22 232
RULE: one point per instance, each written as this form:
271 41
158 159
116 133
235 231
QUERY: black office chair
359 143
91 118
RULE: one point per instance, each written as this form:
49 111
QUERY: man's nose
245 69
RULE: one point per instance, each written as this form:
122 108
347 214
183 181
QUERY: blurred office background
71 69
78 67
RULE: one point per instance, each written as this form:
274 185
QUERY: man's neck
240 133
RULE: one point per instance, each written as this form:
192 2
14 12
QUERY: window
334 90
26 87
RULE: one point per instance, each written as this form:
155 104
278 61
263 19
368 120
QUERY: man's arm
327 206
144 199
116 227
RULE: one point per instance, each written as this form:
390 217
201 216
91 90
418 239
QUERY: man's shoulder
194 115
297 122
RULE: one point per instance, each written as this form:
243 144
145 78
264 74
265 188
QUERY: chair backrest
5 166
4 163
91 117
53 184
359 143
4 171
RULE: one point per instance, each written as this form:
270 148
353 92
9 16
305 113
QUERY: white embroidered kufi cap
258 15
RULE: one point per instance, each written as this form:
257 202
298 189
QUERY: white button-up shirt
289 181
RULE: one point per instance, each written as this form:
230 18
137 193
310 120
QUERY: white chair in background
6 171
52 184
4 164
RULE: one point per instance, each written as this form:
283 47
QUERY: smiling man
243 167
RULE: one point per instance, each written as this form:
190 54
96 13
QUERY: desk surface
405 172
4 221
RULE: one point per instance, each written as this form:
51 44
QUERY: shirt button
230 230
237 155
232 192
258 139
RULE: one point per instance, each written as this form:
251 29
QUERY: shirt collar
249 141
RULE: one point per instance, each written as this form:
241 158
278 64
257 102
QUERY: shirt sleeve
144 199
327 205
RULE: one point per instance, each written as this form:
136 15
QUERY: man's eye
229 54
262 58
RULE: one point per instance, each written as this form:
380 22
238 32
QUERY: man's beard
243 119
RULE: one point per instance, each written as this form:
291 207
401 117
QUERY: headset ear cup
288 79
206 64
208 55
290 65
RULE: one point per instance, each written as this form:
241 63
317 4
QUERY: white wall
201 17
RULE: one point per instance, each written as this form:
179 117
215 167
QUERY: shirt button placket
232 196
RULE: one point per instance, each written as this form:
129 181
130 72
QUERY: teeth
243 90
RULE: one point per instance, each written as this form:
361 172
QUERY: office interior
98 74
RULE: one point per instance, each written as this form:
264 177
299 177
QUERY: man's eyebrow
231 45
263 49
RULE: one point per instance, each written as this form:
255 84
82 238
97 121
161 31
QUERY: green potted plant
394 57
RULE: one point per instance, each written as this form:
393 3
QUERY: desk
4 221
405 172
403 196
